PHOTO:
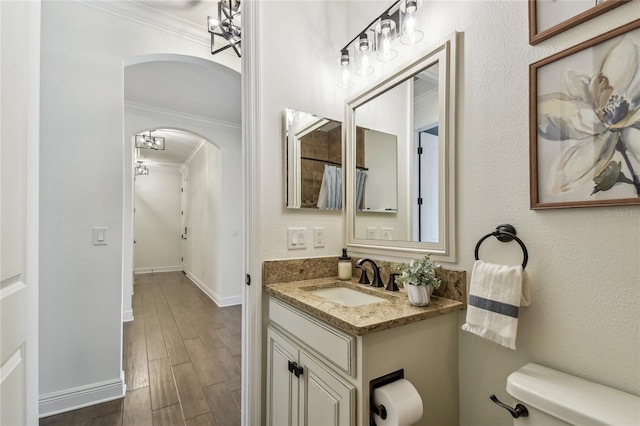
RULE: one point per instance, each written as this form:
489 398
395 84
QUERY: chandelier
147 141
140 170
226 25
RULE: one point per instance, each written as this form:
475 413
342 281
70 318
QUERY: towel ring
505 233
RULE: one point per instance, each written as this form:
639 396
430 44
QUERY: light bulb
363 43
410 24
345 78
409 33
364 67
411 6
385 27
212 23
386 52
386 30
344 57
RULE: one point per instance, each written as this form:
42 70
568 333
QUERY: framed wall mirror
413 112
313 161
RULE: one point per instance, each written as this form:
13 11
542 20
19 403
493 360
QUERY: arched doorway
183 92
170 108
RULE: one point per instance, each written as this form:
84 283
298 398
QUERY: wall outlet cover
318 237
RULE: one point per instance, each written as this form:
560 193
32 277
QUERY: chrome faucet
364 279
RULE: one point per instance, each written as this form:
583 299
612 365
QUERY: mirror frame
444 250
293 166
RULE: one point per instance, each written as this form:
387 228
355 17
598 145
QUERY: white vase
419 295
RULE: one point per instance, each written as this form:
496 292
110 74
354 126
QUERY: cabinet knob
295 369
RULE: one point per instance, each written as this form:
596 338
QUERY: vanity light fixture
378 38
140 170
345 70
146 141
227 26
386 33
363 52
410 35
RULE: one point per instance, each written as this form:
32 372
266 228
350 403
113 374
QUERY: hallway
181 360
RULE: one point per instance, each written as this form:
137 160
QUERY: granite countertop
360 320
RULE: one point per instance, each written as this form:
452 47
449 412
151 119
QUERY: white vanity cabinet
332 385
302 390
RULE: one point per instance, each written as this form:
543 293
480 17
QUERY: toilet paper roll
402 402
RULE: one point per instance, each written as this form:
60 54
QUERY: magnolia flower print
597 117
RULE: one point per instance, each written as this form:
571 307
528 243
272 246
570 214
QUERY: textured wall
583 263
298 62
81 186
584 267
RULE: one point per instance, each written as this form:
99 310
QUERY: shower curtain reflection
361 176
330 197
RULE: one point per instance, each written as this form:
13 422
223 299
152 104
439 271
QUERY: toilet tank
554 398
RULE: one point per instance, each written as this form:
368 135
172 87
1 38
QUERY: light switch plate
296 238
99 236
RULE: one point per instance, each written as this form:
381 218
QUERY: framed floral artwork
584 143
548 18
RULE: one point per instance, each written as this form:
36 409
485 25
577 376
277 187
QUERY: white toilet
553 398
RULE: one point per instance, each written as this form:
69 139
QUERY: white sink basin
346 296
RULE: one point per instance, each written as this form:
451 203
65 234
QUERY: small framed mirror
413 112
313 161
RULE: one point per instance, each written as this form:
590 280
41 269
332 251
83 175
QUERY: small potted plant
419 279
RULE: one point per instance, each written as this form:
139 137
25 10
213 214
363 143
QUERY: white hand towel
495 295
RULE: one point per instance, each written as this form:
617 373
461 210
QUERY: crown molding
173 115
146 15
423 97
163 164
156 19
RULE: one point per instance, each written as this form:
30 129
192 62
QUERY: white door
19 121
426 197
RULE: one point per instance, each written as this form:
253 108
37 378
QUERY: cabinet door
282 385
325 399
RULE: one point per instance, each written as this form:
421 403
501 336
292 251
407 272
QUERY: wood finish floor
181 360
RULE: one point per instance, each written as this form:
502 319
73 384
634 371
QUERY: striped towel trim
494 306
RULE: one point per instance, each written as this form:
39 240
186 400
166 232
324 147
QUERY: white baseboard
220 301
82 396
127 315
153 269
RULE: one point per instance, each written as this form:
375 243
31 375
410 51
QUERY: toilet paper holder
380 409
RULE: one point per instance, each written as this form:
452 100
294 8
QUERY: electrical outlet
387 233
318 236
372 233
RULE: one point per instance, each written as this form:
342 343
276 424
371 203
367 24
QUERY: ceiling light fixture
227 26
140 170
149 142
